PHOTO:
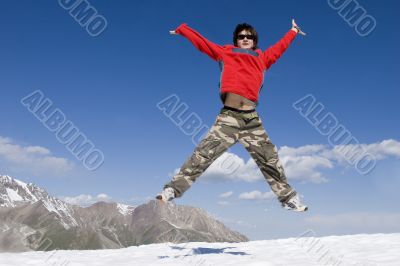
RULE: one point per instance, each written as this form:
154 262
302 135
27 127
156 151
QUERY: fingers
302 33
172 32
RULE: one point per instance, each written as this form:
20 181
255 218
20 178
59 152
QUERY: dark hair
247 27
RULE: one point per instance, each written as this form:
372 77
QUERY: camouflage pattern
230 127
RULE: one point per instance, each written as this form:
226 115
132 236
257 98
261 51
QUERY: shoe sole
302 209
299 210
296 210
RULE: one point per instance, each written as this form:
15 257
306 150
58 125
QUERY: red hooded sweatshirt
242 70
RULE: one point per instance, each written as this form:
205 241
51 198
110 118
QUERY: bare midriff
238 102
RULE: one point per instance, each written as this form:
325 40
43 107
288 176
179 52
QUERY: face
245 43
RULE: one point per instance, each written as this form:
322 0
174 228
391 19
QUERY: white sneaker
295 204
166 195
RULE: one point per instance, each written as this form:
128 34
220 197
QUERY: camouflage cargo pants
230 127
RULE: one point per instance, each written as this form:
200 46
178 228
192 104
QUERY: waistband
238 110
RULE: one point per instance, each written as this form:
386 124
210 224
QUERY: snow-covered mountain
29 217
15 193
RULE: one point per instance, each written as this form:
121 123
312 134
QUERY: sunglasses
242 36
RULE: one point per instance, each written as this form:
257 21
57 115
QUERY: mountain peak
125 209
5 179
14 193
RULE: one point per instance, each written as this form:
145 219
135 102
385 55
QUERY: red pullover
242 70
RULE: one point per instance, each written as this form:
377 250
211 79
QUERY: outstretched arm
211 49
273 53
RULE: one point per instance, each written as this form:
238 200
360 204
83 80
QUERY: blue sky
109 87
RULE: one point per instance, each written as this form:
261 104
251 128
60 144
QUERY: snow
28 191
63 212
349 250
125 209
5 178
34 194
62 209
13 195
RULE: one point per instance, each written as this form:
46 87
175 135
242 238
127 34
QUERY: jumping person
242 75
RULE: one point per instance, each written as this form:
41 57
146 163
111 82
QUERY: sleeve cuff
179 28
293 32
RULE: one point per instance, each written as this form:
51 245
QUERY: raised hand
297 28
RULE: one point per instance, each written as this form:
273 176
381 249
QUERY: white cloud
305 163
86 200
229 166
297 166
257 195
384 149
37 150
226 194
32 159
